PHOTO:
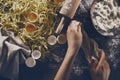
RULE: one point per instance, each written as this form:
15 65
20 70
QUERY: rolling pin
68 9
89 46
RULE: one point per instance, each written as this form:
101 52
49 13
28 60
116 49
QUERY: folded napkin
12 52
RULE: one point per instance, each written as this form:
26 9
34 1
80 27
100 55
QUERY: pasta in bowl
32 21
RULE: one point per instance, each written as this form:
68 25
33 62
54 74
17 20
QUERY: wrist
72 52
73 49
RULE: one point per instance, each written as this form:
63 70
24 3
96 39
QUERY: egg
58 1
32 17
30 28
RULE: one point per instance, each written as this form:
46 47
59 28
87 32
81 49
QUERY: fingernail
92 61
101 51
76 22
80 23
93 58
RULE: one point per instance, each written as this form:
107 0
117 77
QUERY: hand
74 35
100 69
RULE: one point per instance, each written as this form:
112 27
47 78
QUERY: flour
113 53
106 16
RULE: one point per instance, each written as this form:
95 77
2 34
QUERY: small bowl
30 62
52 40
36 54
61 39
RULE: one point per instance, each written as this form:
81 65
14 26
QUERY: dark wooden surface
47 69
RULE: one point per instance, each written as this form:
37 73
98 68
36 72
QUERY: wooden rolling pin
89 46
68 9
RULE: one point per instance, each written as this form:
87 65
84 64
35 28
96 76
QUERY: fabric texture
10 49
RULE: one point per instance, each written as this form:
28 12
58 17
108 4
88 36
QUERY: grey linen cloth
12 52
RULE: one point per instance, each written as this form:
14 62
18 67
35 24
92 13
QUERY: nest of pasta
32 20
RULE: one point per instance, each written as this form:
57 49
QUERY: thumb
101 60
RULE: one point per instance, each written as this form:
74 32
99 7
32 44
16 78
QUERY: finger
93 64
101 61
107 68
69 29
74 24
70 26
79 28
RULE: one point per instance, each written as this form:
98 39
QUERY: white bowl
52 40
30 62
104 17
36 54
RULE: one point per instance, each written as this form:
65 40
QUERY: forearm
66 67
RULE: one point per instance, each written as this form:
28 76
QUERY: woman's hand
74 35
100 69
